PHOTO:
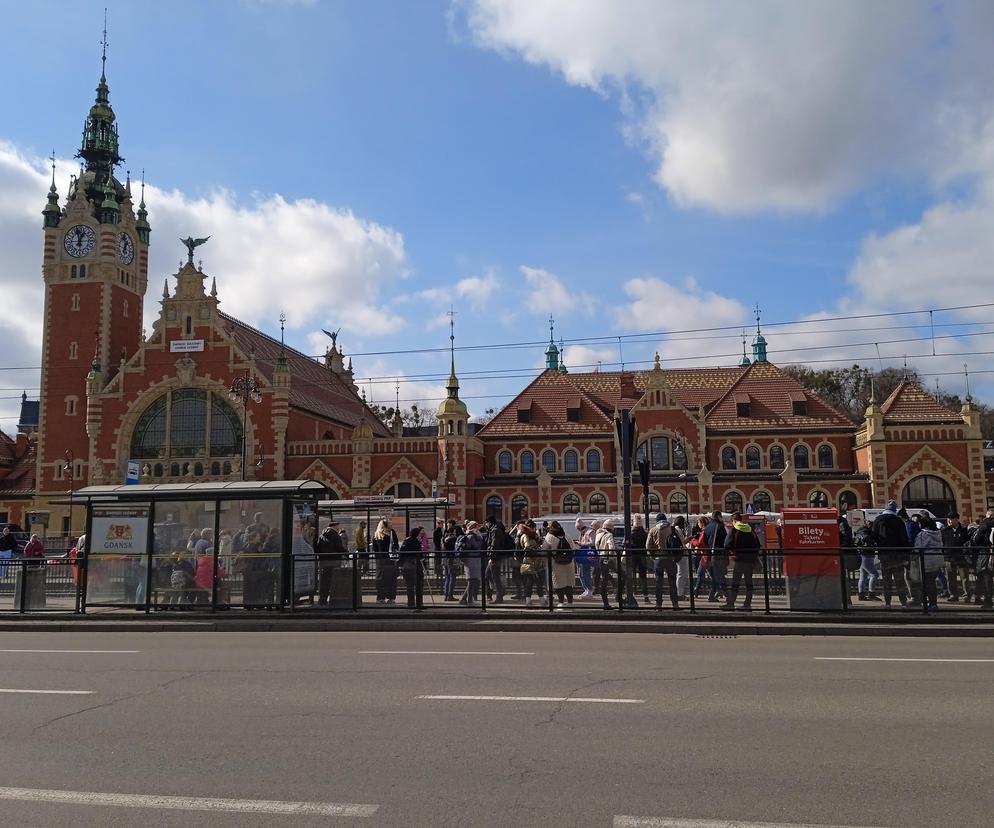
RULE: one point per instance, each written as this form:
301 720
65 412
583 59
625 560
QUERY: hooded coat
930 541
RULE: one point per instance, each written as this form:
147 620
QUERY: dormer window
798 404
573 410
525 411
743 405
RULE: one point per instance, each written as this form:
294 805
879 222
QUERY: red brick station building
715 437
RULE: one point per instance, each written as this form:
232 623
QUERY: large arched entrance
929 492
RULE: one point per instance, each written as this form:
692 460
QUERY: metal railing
622 580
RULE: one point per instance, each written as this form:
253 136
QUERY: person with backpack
607 561
928 544
866 547
665 544
744 546
894 550
499 547
563 569
715 535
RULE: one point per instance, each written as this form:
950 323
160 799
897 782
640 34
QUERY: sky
646 172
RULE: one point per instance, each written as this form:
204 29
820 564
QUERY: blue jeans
586 577
867 574
448 579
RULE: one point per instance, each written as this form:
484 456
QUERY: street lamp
245 388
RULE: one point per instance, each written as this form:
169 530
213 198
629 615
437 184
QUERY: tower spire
759 341
453 386
552 353
562 357
51 211
103 56
745 361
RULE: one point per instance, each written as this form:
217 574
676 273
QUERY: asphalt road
679 728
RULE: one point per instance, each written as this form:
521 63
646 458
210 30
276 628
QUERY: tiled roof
6 447
21 479
313 387
546 399
771 393
28 421
910 403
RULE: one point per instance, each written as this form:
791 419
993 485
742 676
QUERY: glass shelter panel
183 554
255 573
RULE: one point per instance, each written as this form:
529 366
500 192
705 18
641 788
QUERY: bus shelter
358 518
198 545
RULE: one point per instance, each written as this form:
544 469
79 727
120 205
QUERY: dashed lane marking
189 803
440 652
928 660
576 699
49 692
671 822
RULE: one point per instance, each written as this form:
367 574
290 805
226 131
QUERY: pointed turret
758 342
142 225
552 352
452 405
562 358
745 362
52 212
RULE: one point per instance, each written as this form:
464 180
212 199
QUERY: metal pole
766 580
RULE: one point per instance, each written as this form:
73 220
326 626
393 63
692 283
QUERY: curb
738 625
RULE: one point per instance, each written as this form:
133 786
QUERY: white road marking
189 803
665 822
535 699
439 652
50 692
71 651
935 660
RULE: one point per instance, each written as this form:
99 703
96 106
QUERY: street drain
707 635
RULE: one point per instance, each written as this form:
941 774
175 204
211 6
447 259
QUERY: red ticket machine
811 558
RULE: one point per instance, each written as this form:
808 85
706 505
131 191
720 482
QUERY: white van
858 518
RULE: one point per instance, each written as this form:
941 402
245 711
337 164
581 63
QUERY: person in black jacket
637 562
331 553
955 537
715 535
499 547
894 551
411 558
980 541
744 546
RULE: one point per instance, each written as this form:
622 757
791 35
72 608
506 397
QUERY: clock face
80 240
125 249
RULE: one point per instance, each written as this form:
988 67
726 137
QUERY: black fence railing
620 580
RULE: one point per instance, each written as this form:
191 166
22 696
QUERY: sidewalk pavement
973 625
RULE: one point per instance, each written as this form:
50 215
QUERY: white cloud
771 104
321 265
474 291
657 305
548 293
584 358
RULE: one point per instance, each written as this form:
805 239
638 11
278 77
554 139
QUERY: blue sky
628 167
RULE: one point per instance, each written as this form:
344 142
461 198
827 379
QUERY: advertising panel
119 530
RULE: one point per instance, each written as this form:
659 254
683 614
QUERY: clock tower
95 271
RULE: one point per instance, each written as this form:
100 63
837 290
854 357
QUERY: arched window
504 462
729 457
660 453
598 504
929 492
848 500
801 457
519 508
663 453
571 461
200 424
593 460
752 458
405 490
72 272
678 504
826 457
818 499
571 504
777 460
733 502
654 503
549 461
82 271
527 462
762 502
495 507
679 455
